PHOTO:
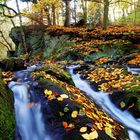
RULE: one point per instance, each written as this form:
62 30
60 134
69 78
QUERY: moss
59 73
7 119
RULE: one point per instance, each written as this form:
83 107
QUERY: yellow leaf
82 112
91 136
108 131
60 99
122 104
74 114
64 96
83 129
47 92
86 136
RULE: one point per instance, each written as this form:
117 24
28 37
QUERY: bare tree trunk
54 14
67 13
114 16
123 12
105 16
135 12
48 15
21 29
75 14
57 18
84 7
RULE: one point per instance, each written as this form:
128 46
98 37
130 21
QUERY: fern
55 45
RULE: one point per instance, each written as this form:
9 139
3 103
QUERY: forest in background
70 13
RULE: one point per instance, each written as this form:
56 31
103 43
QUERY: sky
12 4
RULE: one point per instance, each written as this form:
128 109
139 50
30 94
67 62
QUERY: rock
33 35
12 64
127 101
59 73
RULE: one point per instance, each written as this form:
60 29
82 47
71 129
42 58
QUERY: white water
102 99
28 116
133 70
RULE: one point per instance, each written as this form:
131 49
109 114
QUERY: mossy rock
7 119
12 64
59 73
127 101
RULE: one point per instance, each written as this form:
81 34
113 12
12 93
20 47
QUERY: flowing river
27 105
30 124
103 100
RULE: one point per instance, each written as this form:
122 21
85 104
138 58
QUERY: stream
29 121
102 99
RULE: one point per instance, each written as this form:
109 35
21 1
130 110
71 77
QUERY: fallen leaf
61 114
64 124
64 96
91 136
122 104
74 114
47 92
83 129
66 109
108 131
60 99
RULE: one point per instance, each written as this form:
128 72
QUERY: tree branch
5 46
9 8
2 35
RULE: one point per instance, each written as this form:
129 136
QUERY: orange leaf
64 124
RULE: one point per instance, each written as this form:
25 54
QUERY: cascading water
103 100
27 107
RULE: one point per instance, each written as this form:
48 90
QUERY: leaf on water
61 114
91 136
74 114
83 129
64 96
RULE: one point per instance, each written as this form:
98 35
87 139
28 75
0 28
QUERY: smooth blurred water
28 112
133 70
102 99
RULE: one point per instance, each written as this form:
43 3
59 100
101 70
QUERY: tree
21 29
67 13
84 8
105 14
